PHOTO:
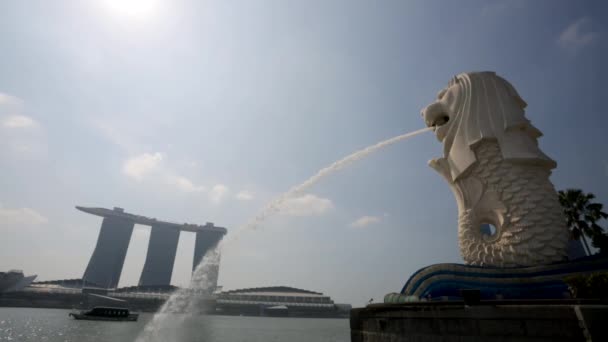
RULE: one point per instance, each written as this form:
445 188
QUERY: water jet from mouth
277 204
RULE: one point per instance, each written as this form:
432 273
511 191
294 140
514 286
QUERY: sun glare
140 9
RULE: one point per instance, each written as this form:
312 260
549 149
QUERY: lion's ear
453 81
522 104
513 93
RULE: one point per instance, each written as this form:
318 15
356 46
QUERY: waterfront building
278 301
14 280
106 263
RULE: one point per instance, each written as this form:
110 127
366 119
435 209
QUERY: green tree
582 216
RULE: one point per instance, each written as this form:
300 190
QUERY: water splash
184 303
191 301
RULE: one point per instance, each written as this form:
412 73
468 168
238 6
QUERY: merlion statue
498 174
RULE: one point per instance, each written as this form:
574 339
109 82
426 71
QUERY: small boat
102 313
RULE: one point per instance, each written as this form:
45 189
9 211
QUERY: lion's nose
434 114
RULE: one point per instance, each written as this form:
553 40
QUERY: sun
139 9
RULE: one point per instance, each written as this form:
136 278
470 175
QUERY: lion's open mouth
436 116
440 121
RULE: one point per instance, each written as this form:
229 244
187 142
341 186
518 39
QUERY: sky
204 111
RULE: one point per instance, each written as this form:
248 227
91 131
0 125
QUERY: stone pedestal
554 321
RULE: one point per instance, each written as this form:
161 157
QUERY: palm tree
581 217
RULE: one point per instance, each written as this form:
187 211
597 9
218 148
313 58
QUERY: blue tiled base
444 281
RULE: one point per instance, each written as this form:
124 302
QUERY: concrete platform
558 320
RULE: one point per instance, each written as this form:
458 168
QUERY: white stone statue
498 174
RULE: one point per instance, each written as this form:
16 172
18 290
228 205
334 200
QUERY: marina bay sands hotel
105 265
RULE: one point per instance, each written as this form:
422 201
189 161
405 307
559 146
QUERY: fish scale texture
521 202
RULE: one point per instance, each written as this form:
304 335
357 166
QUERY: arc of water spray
182 300
277 204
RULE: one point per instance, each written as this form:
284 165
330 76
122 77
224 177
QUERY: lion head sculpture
477 106
497 172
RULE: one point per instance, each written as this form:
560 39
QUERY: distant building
105 266
279 301
14 280
160 257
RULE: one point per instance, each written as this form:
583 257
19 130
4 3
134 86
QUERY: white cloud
244 196
152 167
20 216
218 193
306 205
365 221
138 166
577 35
184 184
18 121
9 101
21 137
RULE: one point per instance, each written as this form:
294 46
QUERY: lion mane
489 108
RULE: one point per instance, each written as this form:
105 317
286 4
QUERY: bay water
54 325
